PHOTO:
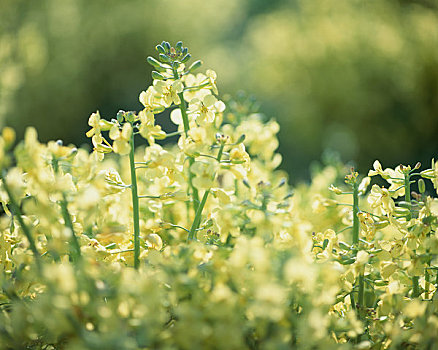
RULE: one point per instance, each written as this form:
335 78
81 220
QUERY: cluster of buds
170 58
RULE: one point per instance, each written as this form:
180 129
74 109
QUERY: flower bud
186 58
157 76
130 117
160 49
282 182
120 115
153 62
428 174
195 65
334 189
289 195
221 138
102 148
179 45
164 58
185 51
8 135
241 139
404 204
381 224
421 186
400 211
158 109
166 45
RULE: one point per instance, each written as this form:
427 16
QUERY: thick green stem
355 212
183 108
426 284
407 183
75 251
360 296
407 186
415 287
185 118
353 301
355 230
75 248
135 208
198 215
17 212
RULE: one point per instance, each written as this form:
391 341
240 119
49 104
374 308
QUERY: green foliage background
358 77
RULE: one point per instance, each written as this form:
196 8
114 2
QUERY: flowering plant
203 244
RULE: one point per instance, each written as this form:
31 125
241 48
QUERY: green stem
360 296
185 118
407 184
353 302
24 227
75 247
135 208
175 133
198 215
355 232
415 287
426 285
436 280
355 212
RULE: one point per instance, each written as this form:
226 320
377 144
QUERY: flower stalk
185 118
17 211
75 248
407 183
198 215
135 206
355 212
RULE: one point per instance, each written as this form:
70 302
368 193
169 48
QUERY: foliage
332 72
203 244
356 77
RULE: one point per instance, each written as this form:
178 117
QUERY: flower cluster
203 244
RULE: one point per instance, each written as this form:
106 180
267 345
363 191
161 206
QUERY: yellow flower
97 125
387 268
212 76
204 171
150 102
195 143
205 110
364 185
148 129
377 169
238 155
193 81
167 91
100 145
94 122
153 241
380 198
121 138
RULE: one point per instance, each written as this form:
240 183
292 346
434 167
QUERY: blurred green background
358 77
